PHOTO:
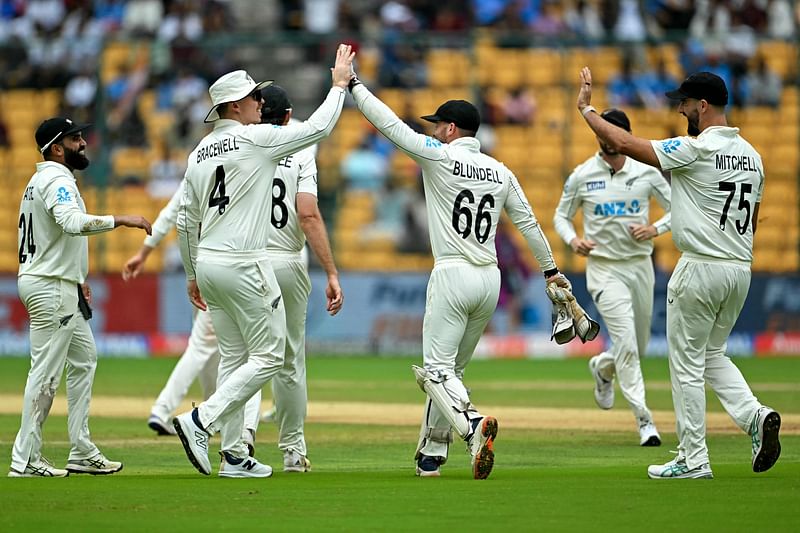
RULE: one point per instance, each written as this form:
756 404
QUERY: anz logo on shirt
63 196
615 209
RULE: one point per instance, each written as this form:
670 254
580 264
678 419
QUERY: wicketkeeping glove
569 317
563 324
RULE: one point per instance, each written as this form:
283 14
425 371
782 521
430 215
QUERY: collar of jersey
471 143
603 164
727 131
226 123
54 165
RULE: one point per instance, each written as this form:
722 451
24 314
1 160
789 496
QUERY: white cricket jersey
465 191
296 173
53 224
610 202
717 180
226 203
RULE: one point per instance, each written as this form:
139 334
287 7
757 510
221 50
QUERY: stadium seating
541 154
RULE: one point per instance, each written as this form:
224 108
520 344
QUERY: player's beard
693 123
75 158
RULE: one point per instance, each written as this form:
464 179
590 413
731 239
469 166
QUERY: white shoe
42 468
159 426
677 469
764 435
648 434
97 465
428 466
481 446
195 441
240 468
294 462
603 388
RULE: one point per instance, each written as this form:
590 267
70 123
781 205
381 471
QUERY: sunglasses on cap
256 95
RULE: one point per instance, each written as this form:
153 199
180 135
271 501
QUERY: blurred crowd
60 44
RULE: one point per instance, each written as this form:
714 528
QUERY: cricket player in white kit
224 227
465 191
53 265
201 358
613 191
717 183
294 222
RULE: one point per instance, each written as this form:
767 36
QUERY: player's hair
466 133
273 119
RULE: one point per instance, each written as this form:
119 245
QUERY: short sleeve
307 172
675 153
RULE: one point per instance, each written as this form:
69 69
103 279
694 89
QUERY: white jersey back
52 225
610 202
228 184
295 173
717 178
465 191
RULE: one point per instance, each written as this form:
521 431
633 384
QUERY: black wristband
551 272
353 82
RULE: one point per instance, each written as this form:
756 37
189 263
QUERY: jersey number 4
483 219
26 245
744 205
218 198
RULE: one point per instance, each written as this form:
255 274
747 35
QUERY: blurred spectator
390 215
514 274
550 22
627 89
217 18
519 106
110 13
625 19
364 169
189 103
583 19
655 84
489 109
80 95
396 14
83 36
142 17
492 12
415 239
674 15
183 22
125 125
450 16
762 86
402 65
320 16
166 172
780 19
45 15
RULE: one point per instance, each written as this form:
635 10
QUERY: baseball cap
276 102
702 86
617 117
460 112
231 87
54 129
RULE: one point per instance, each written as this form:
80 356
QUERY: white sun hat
231 87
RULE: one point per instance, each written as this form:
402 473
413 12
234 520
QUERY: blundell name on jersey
744 163
228 144
475 173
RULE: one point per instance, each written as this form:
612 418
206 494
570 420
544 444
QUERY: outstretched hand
585 92
342 70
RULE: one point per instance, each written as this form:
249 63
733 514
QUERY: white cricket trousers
289 389
59 335
623 293
704 298
245 305
461 299
199 361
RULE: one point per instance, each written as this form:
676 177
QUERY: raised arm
614 136
420 147
281 141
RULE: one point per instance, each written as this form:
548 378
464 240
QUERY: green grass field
545 478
